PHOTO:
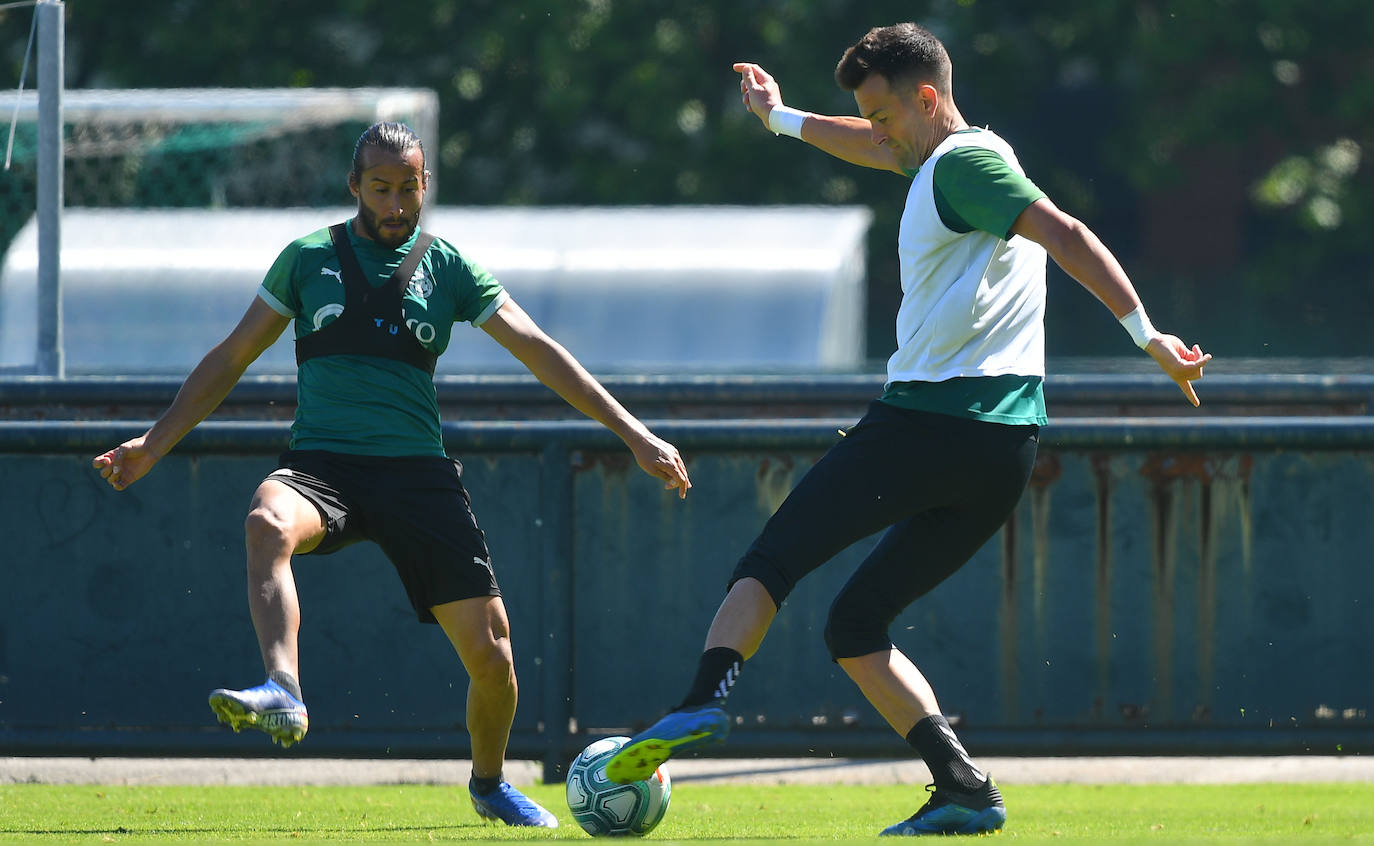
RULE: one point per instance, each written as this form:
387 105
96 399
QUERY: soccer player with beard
374 300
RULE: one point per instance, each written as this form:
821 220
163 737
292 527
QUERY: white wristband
1137 325
786 121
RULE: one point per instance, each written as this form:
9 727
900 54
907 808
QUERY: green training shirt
975 189
362 404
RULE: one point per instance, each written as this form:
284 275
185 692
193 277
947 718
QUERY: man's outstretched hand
1184 365
125 464
757 89
661 460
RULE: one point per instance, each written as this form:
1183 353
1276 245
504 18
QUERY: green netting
212 164
214 136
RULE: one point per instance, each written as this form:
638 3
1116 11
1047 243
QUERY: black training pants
940 485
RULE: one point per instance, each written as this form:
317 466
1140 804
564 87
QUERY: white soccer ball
604 808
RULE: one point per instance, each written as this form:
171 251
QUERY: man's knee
491 664
775 581
851 632
281 521
264 528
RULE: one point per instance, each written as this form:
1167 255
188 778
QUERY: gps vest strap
372 322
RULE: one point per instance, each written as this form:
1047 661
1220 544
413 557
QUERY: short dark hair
900 53
389 137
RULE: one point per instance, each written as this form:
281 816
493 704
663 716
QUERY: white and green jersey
970 328
362 404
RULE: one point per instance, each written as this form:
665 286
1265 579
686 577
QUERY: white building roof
624 289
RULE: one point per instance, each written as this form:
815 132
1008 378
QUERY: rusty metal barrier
1181 584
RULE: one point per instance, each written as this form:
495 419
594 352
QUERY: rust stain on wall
1046 471
1212 483
774 478
1009 620
1102 582
1207 524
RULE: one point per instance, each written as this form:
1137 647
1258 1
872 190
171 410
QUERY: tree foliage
1216 145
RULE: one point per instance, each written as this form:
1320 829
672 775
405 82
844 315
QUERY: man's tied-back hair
390 137
901 53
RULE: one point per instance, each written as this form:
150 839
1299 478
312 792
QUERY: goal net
202 148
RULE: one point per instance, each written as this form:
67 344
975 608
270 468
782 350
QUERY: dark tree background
1216 145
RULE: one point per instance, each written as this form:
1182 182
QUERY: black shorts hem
414 508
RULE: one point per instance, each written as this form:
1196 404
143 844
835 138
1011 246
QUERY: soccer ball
603 807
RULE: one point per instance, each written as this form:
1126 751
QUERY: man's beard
372 228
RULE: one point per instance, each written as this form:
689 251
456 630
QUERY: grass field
1251 813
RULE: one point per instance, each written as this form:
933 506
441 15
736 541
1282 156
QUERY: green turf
1266 813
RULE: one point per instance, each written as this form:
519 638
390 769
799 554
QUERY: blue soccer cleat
510 806
680 731
267 707
950 812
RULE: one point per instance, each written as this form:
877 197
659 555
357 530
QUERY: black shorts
415 508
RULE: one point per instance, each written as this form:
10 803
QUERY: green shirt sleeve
476 293
278 290
485 294
975 188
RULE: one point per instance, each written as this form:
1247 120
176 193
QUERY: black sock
949 764
287 681
483 786
717 671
